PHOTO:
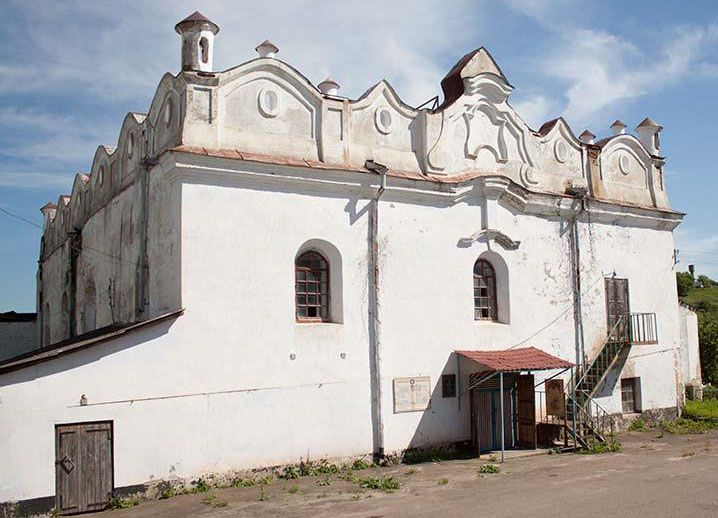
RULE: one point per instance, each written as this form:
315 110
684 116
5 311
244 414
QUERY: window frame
492 307
633 383
327 295
448 385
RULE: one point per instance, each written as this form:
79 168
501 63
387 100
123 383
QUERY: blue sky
70 70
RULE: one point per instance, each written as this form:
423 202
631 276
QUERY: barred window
484 291
312 287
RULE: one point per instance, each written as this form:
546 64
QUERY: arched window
312 287
484 291
204 49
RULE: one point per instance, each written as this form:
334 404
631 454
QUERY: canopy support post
573 407
501 397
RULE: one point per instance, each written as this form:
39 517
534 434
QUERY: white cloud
535 110
601 69
120 50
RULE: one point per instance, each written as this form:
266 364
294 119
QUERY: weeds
638 425
387 484
123 503
165 490
214 501
443 481
199 486
266 481
360 464
412 471
325 481
243 482
682 426
489 468
595 448
263 497
293 489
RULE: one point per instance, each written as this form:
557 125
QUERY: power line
84 247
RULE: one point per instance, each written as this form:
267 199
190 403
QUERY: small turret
618 127
587 137
266 49
329 86
197 33
648 131
48 213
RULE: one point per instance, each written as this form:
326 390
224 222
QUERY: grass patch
325 481
293 489
123 503
263 497
595 448
638 425
412 471
266 481
213 501
387 484
489 468
683 426
706 409
443 481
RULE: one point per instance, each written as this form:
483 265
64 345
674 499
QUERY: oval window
383 120
268 102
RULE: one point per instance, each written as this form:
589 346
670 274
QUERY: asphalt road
654 476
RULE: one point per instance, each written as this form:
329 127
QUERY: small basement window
448 385
630 389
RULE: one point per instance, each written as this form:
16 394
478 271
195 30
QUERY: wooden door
526 411
617 309
83 467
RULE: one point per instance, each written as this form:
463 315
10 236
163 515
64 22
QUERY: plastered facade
209 198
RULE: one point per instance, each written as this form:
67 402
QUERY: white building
264 270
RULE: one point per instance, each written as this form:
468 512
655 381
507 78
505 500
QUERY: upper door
83 467
618 309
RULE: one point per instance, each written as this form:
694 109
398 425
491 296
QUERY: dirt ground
653 476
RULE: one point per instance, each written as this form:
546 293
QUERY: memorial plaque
412 394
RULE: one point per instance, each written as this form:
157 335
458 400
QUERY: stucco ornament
560 151
489 125
624 164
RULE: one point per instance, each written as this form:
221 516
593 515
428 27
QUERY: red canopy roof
525 359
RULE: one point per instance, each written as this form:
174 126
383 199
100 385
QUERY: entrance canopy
516 360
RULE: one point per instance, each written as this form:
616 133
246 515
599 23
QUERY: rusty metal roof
513 360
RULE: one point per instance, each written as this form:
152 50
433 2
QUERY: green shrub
199 486
490 468
386 484
595 447
638 425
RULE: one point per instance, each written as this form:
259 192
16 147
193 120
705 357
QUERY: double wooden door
83 467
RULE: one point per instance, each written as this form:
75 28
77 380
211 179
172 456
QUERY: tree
708 340
684 280
706 282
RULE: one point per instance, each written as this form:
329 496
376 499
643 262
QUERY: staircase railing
602 363
593 422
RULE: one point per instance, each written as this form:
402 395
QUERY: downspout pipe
373 313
